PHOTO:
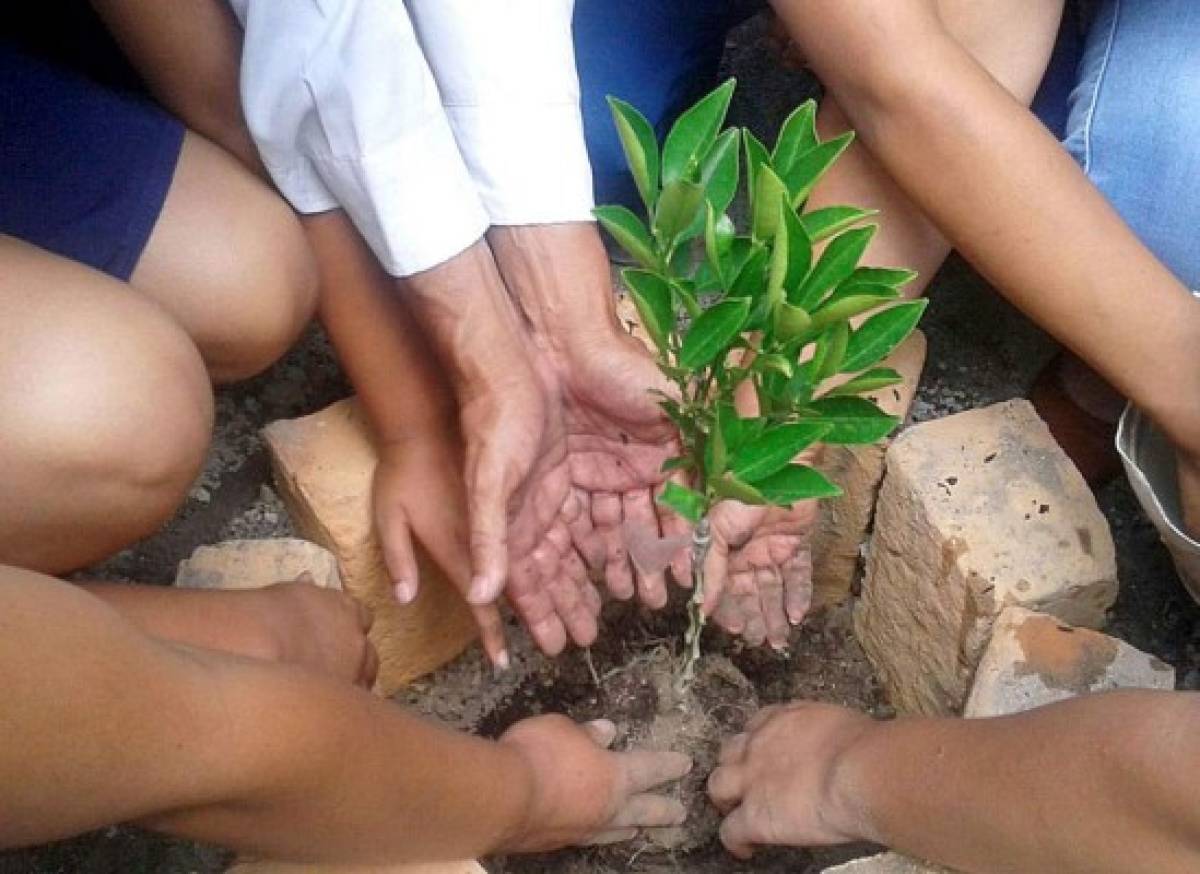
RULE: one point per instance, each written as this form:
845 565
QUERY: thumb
716 567
487 500
602 731
395 539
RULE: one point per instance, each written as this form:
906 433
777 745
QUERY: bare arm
1000 188
269 759
1104 783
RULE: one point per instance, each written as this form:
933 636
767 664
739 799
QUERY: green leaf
629 232
710 335
806 171
769 196
797 136
872 380
738 430
652 296
880 334
797 482
790 321
835 264
775 449
716 451
641 149
831 350
693 134
719 172
687 503
718 239
848 307
799 249
756 156
892 277
678 206
729 486
771 361
686 294
852 420
824 223
751 280
679 462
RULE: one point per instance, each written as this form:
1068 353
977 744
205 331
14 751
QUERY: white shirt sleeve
506 73
345 112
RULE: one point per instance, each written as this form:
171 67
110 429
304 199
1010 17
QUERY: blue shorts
84 170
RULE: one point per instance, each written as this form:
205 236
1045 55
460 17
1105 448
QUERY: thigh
1135 122
658 55
105 411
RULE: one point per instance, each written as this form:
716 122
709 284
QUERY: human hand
786 780
584 794
618 437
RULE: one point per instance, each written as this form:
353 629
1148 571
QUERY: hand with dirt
584 794
778 782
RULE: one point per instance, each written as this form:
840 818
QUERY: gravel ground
981 351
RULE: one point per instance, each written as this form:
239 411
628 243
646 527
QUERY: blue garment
1122 90
84 170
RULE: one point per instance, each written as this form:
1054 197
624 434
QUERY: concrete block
887 863
844 522
1034 659
324 464
977 512
257 867
252 564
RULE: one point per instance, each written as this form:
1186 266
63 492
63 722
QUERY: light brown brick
978 511
324 464
252 564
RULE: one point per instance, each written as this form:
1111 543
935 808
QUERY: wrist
849 808
560 278
524 810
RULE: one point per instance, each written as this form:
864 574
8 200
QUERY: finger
602 731
645 770
725 786
578 620
491 635
607 517
716 566
770 592
577 573
734 749
736 831
754 630
536 611
577 516
613 836
797 586
489 538
395 539
728 616
650 811
651 582
675 526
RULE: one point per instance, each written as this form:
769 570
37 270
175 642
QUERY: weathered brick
324 464
251 564
289 868
1034 659
978 511
844 522
887 863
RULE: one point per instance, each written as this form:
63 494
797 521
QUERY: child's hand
584 794
418 491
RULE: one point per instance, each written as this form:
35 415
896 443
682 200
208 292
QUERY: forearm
1097 784
1003 191
379 345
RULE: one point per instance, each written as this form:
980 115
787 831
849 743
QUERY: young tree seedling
806 327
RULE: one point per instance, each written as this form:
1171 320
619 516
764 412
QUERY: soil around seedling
629 677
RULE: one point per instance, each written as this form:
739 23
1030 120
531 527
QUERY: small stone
887 863
946 559
252 564
200 495
324 465
1034 659
841 532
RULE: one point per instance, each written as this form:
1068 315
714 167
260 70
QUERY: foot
295 623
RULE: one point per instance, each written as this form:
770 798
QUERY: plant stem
701 542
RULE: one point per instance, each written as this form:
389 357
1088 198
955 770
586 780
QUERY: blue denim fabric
1134 125
659 55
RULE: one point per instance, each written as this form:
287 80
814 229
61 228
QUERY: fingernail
405 591
480 591
502 663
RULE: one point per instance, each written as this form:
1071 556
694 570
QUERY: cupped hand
783 782
584 794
